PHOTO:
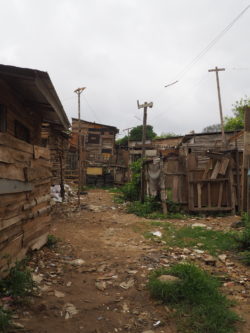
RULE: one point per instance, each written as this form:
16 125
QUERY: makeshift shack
27 99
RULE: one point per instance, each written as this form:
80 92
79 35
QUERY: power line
189 66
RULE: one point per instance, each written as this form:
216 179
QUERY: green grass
199 305
210 240
151 209
52 241
5 318
18 284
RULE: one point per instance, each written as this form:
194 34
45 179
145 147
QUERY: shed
27 100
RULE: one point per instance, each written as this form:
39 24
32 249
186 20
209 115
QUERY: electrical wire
190 65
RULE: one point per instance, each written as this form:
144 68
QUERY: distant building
98 152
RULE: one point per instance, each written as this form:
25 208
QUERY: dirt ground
106 290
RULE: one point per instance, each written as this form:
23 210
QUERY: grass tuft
196 297
210 240
52 241
18 284
5 319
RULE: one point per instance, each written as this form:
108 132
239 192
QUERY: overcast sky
124 50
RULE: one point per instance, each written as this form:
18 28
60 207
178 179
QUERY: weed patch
200 307
52 241
18 284
5 318
209 240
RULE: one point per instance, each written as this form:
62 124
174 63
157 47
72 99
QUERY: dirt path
107 292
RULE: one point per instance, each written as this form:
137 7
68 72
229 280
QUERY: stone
70 310
198 225
150 331
77 262
222 257
37 278
168 278
210 260
127 285
101 285
59 294
17 325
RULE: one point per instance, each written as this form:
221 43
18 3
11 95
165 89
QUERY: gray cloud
124 50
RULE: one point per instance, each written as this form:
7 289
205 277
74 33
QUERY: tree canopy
136 135
234 123
237 121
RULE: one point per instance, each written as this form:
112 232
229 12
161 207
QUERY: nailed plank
10 171
209 195
8 186
38 173
207 169
11 251
5 223
224 165
220 195
175 188
199 194
41 152
216 170
10 141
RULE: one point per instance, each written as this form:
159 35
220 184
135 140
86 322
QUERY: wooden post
144 130
217 70
245 167
78 91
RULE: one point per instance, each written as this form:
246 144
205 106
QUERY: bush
144 209
199 304
131 190
52 241
19 283
243 237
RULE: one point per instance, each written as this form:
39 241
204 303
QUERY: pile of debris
56 193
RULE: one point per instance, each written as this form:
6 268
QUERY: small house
28 99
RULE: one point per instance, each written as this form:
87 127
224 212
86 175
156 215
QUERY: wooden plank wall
25 179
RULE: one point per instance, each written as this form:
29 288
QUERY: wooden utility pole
78 91
128 129
145 106
217 70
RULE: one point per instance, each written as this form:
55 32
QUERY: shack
98 156
27 100
202 174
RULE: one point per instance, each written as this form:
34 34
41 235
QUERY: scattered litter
199 225
77 262
157 234
158 323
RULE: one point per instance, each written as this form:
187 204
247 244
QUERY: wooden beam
8 186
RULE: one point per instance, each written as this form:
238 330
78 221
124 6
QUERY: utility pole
145 106
78 91
128 129
217 70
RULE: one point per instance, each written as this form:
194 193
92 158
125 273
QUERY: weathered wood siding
25 178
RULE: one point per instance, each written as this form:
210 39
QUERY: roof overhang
35 89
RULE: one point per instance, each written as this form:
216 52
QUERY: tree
166 135
122 141
237 121
212 128
136 133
